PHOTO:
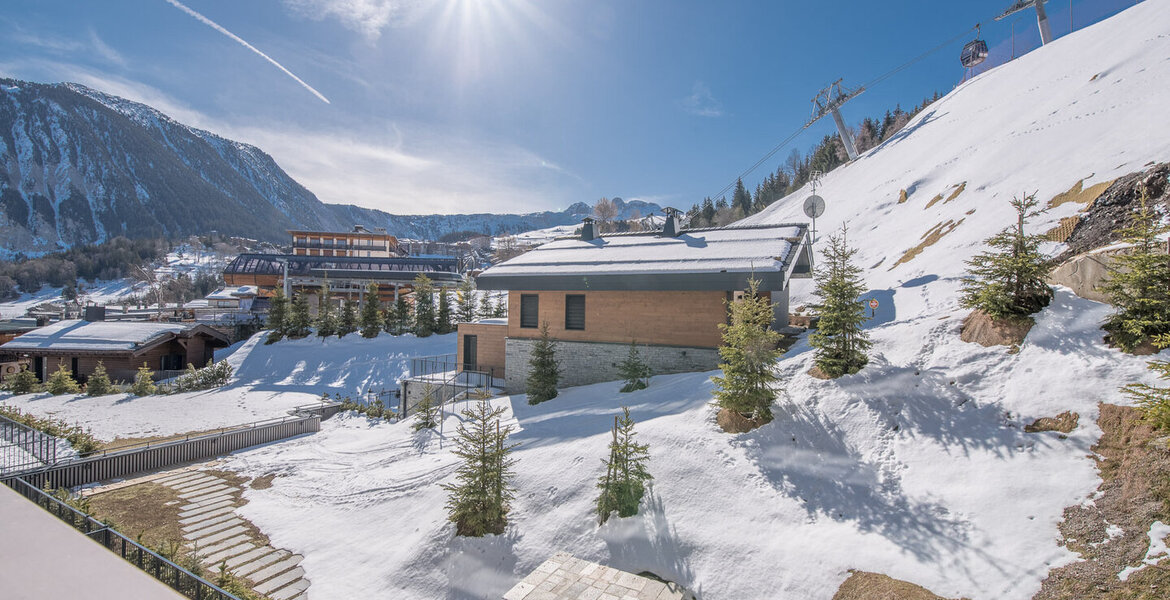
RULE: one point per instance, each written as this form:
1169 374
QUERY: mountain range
79 166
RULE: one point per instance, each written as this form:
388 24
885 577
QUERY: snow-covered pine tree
299 322
144 382
371 317
465 301
444 322
426 414
839 339
277 317
544 372
99 382
479 500
424 306
348 322
634 370
749 355
1154 402
1008 281
62 382
624 482
24 382
1138 284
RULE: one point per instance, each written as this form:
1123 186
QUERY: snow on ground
269 380
1159 533
917 467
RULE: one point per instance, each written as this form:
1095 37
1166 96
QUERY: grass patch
929 238
148 512
1080 194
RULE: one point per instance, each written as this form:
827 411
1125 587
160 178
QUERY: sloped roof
95 336
710 258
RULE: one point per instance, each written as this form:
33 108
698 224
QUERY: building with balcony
359 243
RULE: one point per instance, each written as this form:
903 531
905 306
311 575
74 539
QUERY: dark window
529 306
575 311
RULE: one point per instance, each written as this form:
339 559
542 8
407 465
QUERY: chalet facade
121 346
665 290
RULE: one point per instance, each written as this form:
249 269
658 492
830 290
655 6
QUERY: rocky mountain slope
80 166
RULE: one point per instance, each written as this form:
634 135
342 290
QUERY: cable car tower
1041 16
830 100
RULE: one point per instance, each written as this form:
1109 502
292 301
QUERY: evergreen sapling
371 318
424 306
62 382
624 482
1154 402
99 382
479 500
1138 284
1008 281
144 382
749 356
348 323
465 301
544 372
634 371
840 341
277 317
299 324
443 322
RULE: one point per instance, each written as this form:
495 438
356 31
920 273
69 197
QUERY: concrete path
564 577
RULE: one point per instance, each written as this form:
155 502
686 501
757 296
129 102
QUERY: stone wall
583 363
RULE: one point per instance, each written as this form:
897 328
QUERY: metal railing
449 379
23 447
163 569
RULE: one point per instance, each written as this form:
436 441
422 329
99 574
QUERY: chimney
95 313
588 230
673 225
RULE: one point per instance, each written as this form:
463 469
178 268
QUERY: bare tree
604 210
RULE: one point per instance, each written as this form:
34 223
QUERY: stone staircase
211 527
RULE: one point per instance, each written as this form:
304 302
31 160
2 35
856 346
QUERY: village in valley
925 360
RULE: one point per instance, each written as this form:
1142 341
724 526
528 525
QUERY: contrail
217 27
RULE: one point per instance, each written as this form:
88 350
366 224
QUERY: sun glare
481 37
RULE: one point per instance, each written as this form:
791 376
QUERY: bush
426 415
24 382
212 376
99 383
62 382
144 382
81 439
1154 402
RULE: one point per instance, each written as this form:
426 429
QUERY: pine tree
634 370
326 323
749 358
544 371
1154 402
299 322
62 382
840 341
99 382
24 382
500 309
1138 284
486 310
624 482
277 317
465 300
398 318
348 323
426 414
424 306
1008 281
444 323
144 382
741 198
479 501
371 317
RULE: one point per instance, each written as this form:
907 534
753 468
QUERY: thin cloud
105 50
219 28
368 17
701 102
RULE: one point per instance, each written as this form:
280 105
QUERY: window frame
569 326
535 298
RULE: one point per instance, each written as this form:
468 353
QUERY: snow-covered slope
917 467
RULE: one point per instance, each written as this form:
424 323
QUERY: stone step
236 550
295 588
275 569
207 521
213 529
173 482
198 509
221 546
249 568
196 484
280 580
223 511
196 493
247 557
204 498
177 475
223 535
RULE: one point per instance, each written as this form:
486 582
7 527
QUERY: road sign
873 304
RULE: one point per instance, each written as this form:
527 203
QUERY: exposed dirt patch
263 482
863 585
902 197
1113 209
149 510
981 329
733 422
929 238
120 443
1065 422
933 201
955 194
1080 194
1111 532
818 373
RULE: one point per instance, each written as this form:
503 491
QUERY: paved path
564 577
211 527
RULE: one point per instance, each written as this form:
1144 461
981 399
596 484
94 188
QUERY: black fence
181 580
23 448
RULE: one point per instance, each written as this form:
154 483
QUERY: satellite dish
814 206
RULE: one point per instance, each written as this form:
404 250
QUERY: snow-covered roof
232 293
94 336
760 249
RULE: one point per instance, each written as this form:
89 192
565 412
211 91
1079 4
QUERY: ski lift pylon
974 52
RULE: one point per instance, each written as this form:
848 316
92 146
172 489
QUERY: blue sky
508 105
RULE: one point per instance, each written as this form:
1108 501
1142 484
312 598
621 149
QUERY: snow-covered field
917 467
269 380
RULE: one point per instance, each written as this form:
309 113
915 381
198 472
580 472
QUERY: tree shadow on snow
480 567
649 541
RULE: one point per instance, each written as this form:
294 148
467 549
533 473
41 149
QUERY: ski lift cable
867 85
